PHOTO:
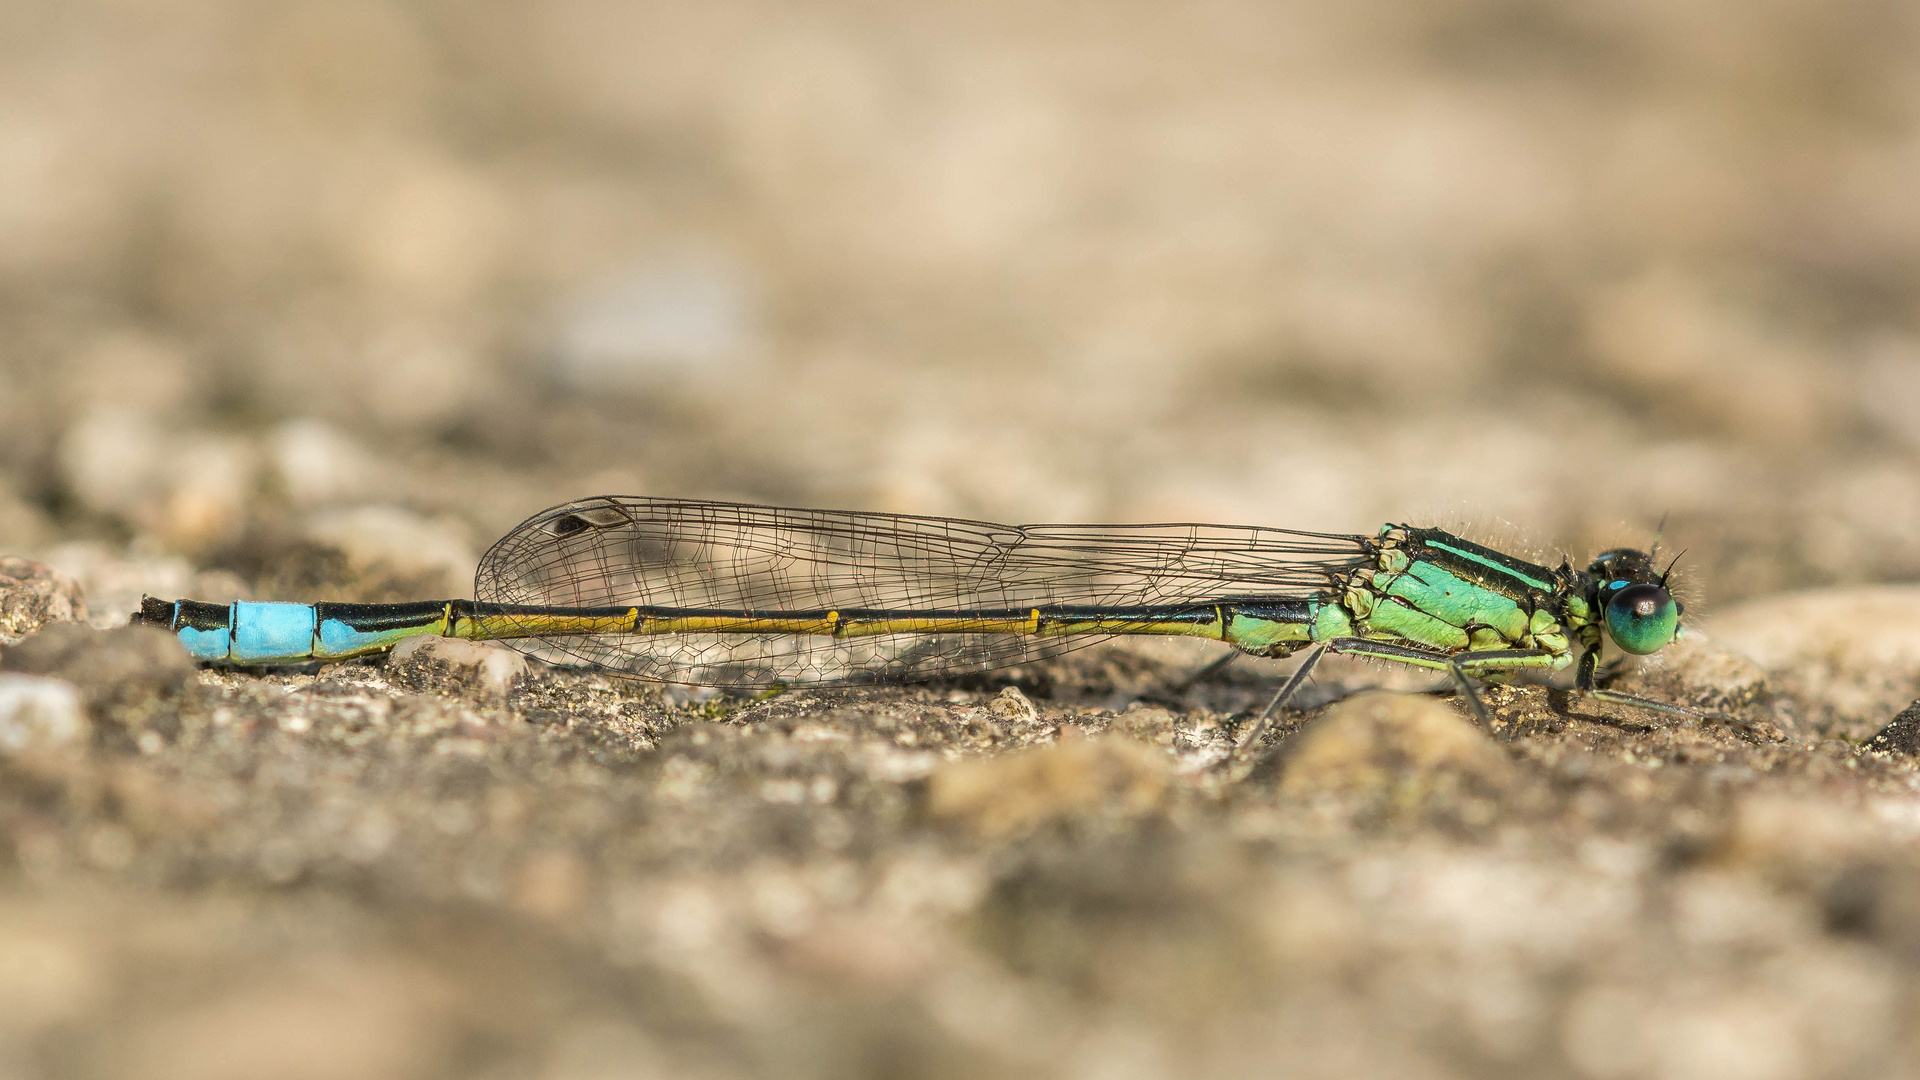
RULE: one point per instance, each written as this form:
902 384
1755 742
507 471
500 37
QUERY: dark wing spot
567 525
602 516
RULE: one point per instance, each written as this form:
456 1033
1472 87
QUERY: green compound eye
1642 618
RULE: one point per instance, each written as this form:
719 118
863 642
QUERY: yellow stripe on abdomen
739 624
499 627
1028 622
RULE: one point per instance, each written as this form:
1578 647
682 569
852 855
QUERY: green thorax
1434 589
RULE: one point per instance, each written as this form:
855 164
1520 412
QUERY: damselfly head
1641 616
1624 564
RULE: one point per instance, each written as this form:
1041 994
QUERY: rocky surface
412 868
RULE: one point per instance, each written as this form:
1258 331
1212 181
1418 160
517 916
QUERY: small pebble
1012 707
489 668
32 595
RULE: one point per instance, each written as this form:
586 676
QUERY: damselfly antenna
1664 574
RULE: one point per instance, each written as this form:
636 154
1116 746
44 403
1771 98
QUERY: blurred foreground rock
38 713
1018 791
1397 750
130 678
929 881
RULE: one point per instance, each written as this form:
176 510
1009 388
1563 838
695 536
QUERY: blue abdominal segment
271 633
206 630
206 644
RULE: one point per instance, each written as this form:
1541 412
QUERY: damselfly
728 594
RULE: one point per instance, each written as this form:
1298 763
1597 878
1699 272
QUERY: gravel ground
312 300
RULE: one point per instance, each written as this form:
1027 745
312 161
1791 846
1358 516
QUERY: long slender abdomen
256 632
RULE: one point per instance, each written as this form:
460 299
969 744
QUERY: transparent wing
617 551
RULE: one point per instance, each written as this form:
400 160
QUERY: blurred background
319 297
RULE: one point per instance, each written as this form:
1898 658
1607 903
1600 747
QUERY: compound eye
1642 618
